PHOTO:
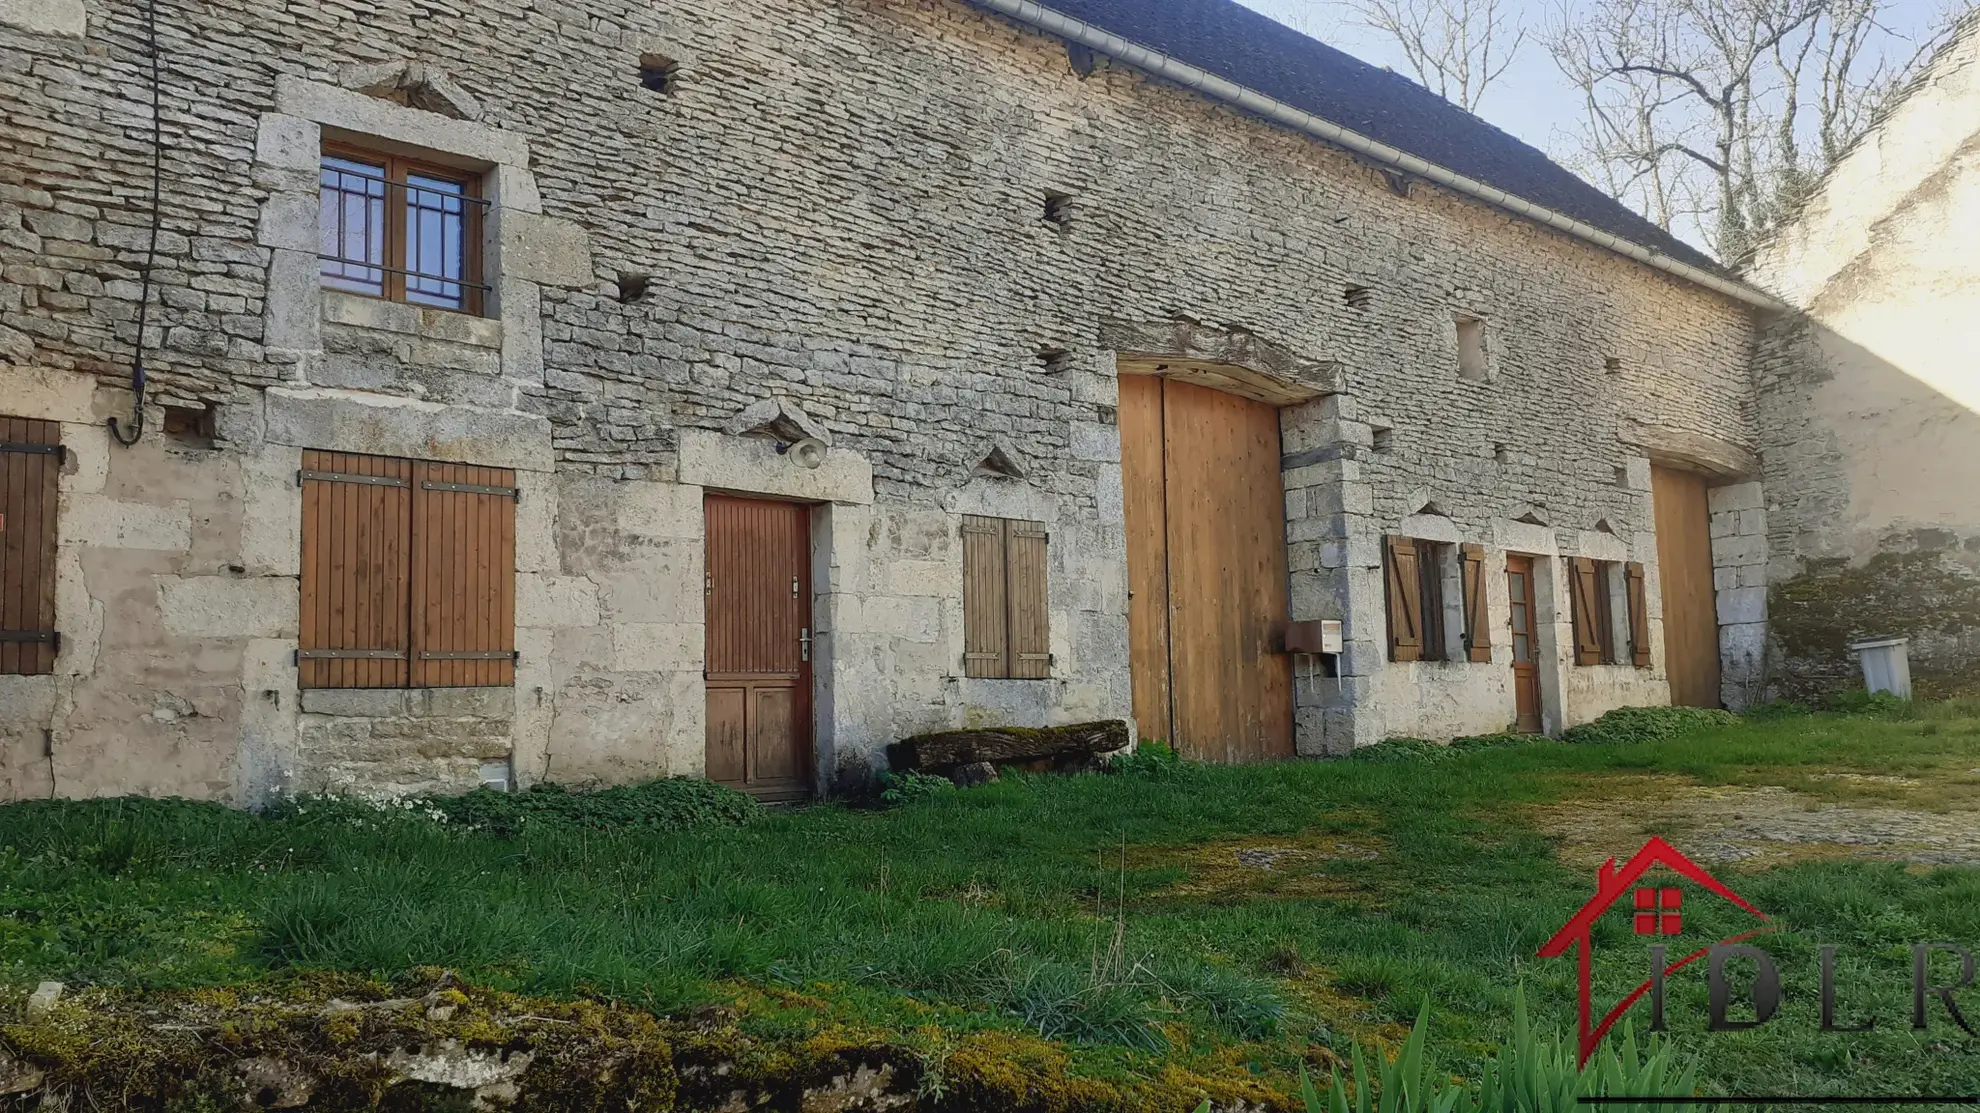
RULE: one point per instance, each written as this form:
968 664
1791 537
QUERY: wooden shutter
463 576
1405 600
1639 616
986 606
356 549
1477 626
1030 635
30 471
1582 589
1006 626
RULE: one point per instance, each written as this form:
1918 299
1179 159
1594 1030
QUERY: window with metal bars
408 573
401 229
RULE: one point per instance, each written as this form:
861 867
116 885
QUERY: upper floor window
401 229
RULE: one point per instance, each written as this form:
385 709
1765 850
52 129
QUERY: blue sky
1531 101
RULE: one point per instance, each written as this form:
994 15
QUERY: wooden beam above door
1230 378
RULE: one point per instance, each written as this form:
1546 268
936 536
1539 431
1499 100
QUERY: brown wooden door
1525 643
1684 565
758 614
1205 517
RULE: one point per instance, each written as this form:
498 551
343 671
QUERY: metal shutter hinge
59 451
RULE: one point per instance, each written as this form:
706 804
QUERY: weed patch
1638 725
667 805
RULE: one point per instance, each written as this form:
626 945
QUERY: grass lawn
1210 930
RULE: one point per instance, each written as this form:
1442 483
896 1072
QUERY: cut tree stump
1055 747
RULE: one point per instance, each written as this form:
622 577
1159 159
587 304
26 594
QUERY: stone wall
834 208
1869 402
1739 578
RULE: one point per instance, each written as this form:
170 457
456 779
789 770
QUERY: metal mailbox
1317 636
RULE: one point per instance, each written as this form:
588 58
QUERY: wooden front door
1205 510
1684 565
758 614
1525 652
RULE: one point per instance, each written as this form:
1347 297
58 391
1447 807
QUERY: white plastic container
1886 665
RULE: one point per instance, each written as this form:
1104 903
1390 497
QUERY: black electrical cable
151 251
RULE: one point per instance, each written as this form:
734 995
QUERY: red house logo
1656 911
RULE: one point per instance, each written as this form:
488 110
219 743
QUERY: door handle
804 644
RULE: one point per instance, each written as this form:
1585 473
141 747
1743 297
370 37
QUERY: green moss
1921 595
185 1051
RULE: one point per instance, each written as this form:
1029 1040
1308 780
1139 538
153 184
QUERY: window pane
1522 649
436 241
351 225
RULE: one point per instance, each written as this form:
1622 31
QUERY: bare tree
1457 48
1314 18
1700 113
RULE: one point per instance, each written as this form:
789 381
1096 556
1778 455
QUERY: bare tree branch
1456 48
1699 111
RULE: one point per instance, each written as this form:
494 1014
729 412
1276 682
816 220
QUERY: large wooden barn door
758 604
1205 511
1684 564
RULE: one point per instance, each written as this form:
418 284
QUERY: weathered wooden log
944 750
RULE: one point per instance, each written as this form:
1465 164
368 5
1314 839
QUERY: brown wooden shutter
986 607
1582 588
356 549
1639 616
30 475
463 576
1405 600
1030 636
1477 625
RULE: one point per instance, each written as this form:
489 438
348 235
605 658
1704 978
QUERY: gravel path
1760 827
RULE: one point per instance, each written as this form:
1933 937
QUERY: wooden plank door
1525 651
758 613
1684 565
1205 511
1145 503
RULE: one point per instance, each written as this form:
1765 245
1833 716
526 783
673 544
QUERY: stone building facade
1869 401
912 230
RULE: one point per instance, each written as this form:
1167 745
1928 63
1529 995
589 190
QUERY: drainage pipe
1209 84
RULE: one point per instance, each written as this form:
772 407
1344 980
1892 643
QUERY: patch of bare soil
1759 827
1304 865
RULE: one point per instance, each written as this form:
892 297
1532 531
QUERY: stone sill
410 703
358 311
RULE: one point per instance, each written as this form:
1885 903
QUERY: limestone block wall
1739 580
157 613
1869 403
835 207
